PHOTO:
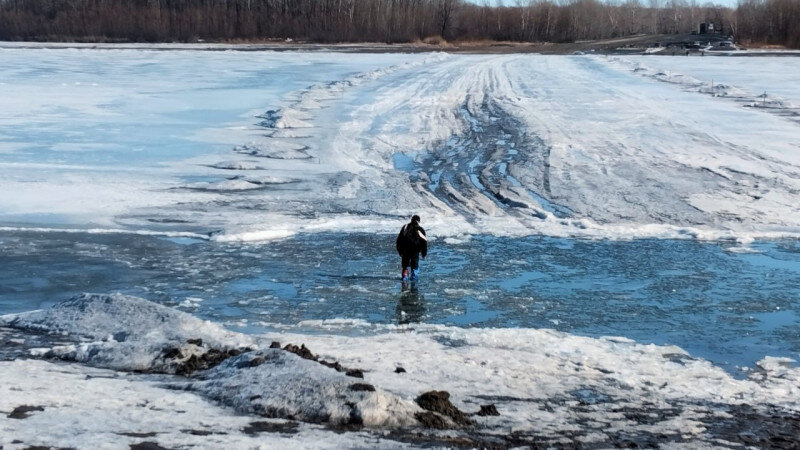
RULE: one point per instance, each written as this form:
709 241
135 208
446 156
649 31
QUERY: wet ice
729 307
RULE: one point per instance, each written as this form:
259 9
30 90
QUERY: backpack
410 233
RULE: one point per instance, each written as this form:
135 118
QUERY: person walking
411 242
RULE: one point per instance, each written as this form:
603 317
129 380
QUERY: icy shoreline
380 47
548 386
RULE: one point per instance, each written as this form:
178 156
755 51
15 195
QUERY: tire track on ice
470 170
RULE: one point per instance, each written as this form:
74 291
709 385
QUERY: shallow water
732 308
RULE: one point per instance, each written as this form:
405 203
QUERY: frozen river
614 248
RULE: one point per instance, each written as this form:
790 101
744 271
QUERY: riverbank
628 45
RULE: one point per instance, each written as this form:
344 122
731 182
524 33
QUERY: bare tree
754 21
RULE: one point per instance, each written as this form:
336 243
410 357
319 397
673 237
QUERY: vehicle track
470 172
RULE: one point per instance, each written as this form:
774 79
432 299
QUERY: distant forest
391 21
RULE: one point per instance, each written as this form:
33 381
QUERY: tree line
769 22
391 21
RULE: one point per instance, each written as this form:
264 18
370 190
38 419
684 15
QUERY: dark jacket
412 240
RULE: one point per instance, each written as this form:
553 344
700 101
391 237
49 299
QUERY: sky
730 3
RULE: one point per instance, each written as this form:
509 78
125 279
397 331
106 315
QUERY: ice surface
753 75
641 170
90 135
574 146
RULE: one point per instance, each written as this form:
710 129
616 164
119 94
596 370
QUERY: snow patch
276 383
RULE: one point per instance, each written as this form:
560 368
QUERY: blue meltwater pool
716 301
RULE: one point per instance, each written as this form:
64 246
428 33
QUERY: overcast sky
731 3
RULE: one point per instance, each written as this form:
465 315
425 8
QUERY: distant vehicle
706 28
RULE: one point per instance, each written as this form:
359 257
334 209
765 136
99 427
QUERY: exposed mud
23 411
193 357
439 402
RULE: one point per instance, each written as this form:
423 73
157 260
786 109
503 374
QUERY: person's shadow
411 306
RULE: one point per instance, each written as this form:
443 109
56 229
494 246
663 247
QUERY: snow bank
297 113
132 334
123 332
543 383
122 318
545 363
276 383
80 407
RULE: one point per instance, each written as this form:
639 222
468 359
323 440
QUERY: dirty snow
543 382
